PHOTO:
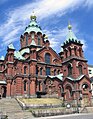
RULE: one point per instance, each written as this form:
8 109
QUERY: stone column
8 89
32 87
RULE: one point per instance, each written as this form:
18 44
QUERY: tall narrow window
47 58
25 68
75 51
69 70
32 35
26 40
24 85
80 69
70 51
54 72
39 40
47 70
58 71
41 71
36 70
39 85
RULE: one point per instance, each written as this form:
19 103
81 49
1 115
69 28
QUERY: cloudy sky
53 17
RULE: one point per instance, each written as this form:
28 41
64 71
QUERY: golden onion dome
69 27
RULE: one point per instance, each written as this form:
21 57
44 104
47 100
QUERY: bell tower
74 64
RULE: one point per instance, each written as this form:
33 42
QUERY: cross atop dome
33 16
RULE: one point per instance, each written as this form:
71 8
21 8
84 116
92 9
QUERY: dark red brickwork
29 76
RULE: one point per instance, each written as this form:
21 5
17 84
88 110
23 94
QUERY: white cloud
89 3
58 36
2 1
84 44
18 18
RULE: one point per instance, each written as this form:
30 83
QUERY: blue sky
53 17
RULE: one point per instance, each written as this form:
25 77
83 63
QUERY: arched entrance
69 94
4 91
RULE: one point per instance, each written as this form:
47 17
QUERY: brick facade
25 72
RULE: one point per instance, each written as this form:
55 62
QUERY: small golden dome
46 37
69 26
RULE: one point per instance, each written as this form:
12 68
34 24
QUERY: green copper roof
59 76
71 36
18 55
2 82
33 26
10 46
2 58
77 79
26 50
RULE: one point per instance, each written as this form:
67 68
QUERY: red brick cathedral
36 69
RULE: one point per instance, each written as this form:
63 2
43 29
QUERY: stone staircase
11 108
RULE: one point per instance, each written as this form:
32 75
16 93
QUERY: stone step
13 110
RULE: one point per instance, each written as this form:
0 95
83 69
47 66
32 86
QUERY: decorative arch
80 63
40 58
68 90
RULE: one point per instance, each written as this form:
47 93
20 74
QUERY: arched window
69 91
39 40
25 68
69 70
24 85
47 58
80 69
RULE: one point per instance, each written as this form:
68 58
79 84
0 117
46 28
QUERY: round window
85 87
